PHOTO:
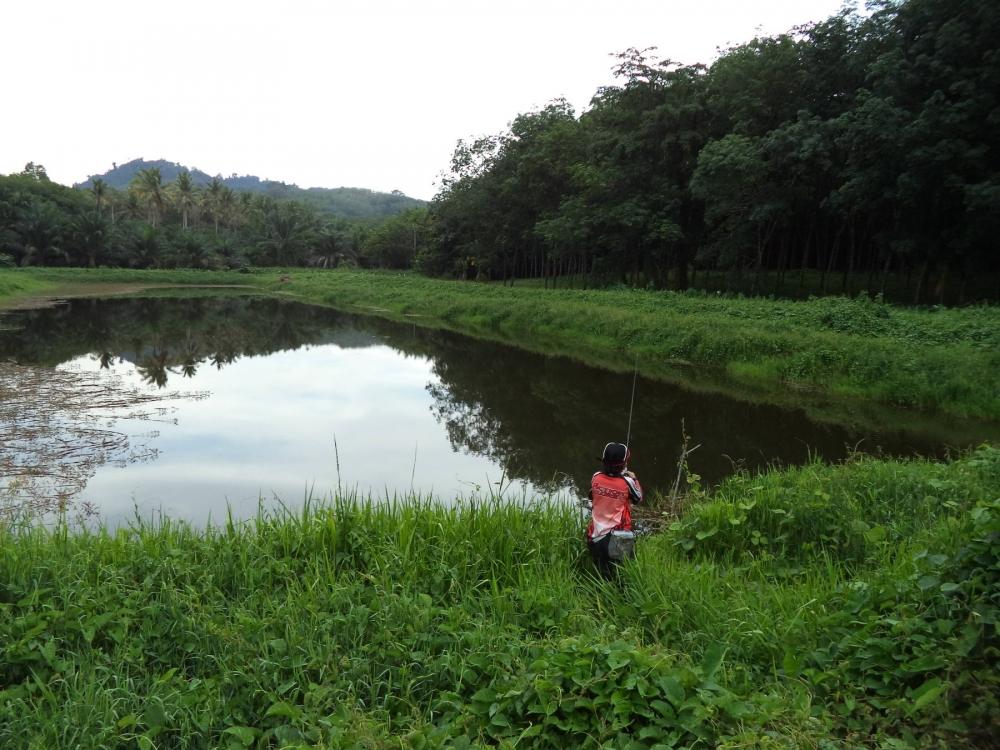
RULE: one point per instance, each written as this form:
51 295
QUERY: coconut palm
99 188
184 195
148 186
211 200
227 204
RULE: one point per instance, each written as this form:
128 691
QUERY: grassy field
857 351
820 607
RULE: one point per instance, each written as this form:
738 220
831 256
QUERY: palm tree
184 195
288 232
41 235
211 200
92 236
148 185
146 250
245 207
99 188
227 204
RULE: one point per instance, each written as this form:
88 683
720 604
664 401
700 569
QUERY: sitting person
613 489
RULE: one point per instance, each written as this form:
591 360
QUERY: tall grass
413 624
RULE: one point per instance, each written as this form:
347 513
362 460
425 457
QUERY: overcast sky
362 94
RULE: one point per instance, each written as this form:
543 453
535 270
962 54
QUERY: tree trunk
834 251
942 286
683 280
845 284
805 257
924 270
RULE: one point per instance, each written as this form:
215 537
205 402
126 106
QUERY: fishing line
635 376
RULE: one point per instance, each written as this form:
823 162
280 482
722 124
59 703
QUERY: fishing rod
628 432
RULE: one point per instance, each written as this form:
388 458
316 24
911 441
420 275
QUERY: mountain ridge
348 202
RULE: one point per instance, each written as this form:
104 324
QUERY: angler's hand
629 474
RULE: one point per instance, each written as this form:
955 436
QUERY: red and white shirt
611 504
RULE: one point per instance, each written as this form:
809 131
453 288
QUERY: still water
297 400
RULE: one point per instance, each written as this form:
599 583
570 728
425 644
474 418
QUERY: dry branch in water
58 426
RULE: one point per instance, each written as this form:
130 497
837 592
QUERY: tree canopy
843 151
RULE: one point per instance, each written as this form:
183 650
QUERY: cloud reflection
268 430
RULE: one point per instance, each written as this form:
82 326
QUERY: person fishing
613 489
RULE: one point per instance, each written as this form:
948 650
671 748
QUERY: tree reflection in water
540 419
58 426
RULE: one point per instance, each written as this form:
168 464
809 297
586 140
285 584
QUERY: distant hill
351 203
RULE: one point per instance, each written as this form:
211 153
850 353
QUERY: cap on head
615 456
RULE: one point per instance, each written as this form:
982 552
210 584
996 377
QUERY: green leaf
283 709
126 721
926 664
533 731
245 735
167 676
790 663
618 659
713 658
927 693
484 695
928 582
876 534
663 708
672 689
153 715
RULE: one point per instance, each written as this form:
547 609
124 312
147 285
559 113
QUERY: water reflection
410 407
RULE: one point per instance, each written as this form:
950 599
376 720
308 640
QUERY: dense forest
854 153
860 153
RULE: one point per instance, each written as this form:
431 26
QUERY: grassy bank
934 360
820 607
16 286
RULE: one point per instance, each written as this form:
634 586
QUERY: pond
268 401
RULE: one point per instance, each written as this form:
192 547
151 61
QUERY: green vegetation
343 202
859 148
855 155
826 606
15 286
936 360
185 224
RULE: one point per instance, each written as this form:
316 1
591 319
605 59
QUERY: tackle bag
621 545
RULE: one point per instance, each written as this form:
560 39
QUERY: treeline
350 203
856 153
153 224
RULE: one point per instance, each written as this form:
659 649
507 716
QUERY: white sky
362 94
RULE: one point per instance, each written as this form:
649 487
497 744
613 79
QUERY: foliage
419 624
863 145
343 202
155 224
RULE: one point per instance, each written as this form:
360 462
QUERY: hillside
352 203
